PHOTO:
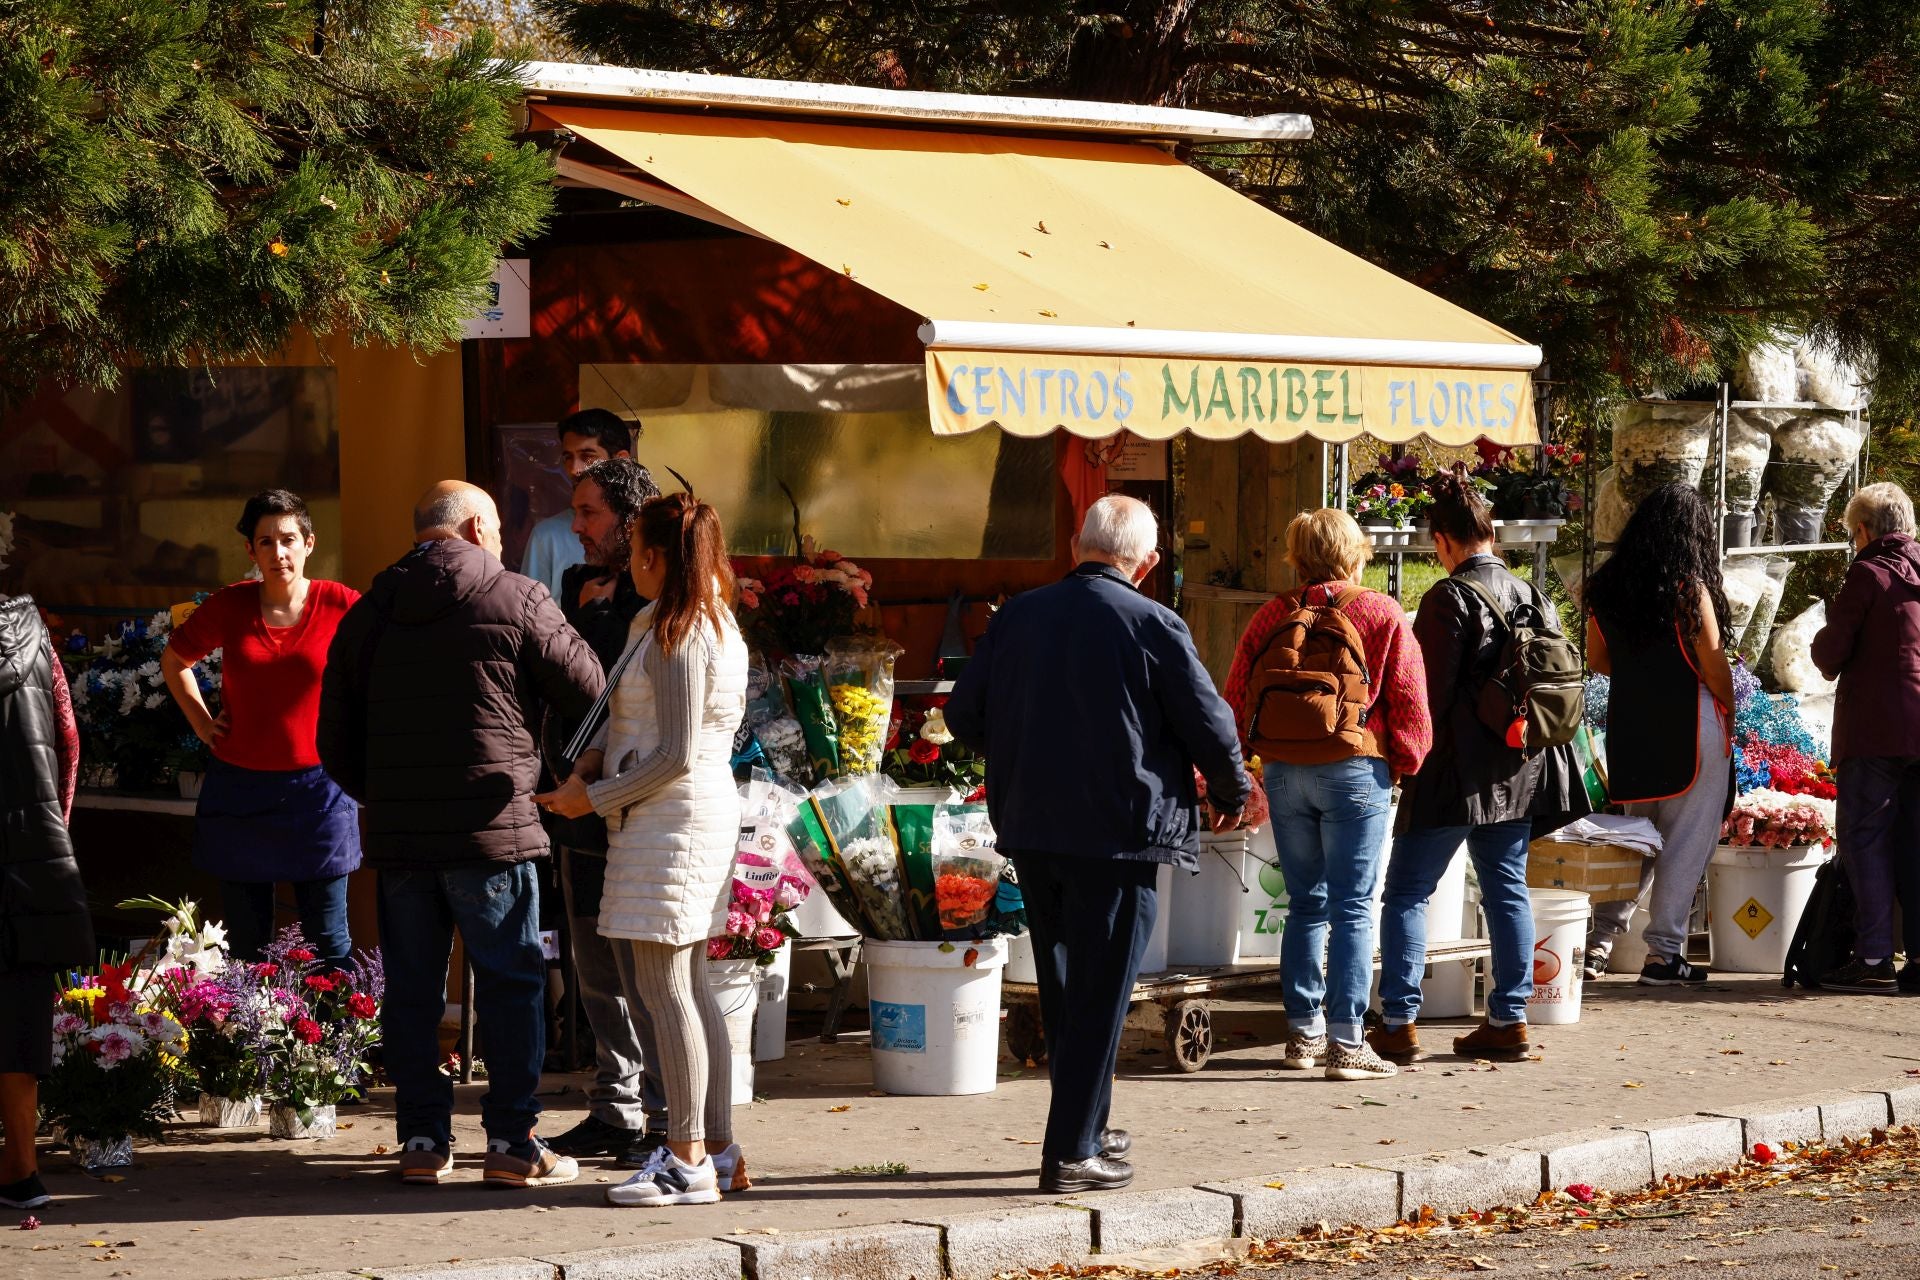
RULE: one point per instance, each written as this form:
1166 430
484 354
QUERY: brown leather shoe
1503 1044
1398 1044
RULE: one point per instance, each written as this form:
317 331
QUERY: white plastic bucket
1559 950
1204 915
935 1018
1155 959
770 1027
1020 967
1755 899
1263 913
736 988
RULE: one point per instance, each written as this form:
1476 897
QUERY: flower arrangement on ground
118 1069
796 609
129 724
1776 820
220 1004
316 1029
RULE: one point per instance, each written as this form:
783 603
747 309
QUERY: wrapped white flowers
1744 580
1825 377
1811 456
1658 442
1752 641
1769 372
1792 654
1749 444
1611 510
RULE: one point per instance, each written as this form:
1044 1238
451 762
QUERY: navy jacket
1092 710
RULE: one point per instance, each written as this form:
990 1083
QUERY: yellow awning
1094 286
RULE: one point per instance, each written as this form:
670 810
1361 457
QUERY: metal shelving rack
1722 420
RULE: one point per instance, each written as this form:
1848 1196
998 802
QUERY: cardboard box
1604 872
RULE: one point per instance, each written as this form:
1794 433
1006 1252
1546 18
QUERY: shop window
851 443
125 500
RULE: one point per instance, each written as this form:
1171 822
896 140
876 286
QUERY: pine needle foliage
186 181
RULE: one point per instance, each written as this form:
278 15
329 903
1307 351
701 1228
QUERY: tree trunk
1132 53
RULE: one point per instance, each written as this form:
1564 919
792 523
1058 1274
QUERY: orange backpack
1309 690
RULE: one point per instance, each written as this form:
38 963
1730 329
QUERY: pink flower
790 894
719 948
115 1047
739 923
65 1024
859 595
803 573
768 938
790 599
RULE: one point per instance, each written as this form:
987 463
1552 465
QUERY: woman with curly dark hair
1658 625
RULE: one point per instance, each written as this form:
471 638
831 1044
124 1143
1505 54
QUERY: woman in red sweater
1330 801
268 812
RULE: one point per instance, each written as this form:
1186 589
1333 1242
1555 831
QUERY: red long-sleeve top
1400 719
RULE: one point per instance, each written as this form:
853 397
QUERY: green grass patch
892 1169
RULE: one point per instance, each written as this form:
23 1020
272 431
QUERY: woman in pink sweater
1330 798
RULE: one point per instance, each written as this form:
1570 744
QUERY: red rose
362 1005
320 982
307 1031
923 752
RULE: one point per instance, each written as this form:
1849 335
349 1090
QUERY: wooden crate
1604 872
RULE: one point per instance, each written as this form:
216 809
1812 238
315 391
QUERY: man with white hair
1869 643
428 713
1093 711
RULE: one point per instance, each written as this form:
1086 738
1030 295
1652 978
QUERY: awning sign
1096 396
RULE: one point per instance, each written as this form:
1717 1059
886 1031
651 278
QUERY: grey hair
448 510
1119 528
1881 509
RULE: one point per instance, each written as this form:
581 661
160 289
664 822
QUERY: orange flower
1397 491
279 248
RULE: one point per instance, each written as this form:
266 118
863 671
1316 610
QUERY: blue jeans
322 905
1330 826
1420 859
497 910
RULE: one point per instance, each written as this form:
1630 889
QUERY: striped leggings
696 1060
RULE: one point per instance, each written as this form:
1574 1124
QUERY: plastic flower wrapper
768 878
966 869
1660 442
855 818
772 722
1812 454
806 683
859 671
806 829
1599 689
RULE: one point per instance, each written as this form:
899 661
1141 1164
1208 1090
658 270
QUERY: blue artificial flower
76 643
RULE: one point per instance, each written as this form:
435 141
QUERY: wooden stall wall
1238 496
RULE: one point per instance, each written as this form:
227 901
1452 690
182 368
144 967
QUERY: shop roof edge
789 97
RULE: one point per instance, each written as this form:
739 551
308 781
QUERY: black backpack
1536 694
1823 940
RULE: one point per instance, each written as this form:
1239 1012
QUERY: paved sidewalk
217 1206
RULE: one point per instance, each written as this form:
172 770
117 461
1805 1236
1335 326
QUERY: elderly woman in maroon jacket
1872 643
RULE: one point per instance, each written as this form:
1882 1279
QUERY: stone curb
978 1246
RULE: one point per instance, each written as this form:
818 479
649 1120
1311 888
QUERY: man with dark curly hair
627 1105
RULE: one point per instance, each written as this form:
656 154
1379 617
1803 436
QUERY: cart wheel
1190 1034
1026 1040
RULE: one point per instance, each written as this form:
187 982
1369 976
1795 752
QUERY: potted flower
220 1004
117 1069
316 1028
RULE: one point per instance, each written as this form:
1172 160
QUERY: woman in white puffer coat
673 818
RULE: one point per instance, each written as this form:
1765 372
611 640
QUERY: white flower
65 1024
160 623
155 701
935 729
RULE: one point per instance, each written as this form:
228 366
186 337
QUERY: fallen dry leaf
832 1111
1632 1084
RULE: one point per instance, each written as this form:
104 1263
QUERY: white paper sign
1138 459
508 304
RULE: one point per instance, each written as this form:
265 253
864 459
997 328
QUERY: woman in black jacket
44 926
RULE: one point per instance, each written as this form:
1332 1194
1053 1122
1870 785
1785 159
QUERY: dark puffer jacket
43 907
431 704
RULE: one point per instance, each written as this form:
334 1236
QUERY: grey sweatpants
1689 826
695 1057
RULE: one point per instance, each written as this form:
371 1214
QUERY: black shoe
641 1150
1671 973
1097 1173
1115 1143
28 1193
594 1137
1859 976
1909 979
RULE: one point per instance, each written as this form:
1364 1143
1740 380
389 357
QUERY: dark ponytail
699 583
1458 510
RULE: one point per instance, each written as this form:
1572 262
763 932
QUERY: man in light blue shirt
586 437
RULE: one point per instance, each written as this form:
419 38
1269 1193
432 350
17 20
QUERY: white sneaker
731 1168
669 1180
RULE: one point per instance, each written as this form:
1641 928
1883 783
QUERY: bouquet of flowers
129 724
1658 442
922 752
317 1026
1775 820
797 608
859 675
768 882
117 1061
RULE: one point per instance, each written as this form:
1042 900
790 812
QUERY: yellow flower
278 248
